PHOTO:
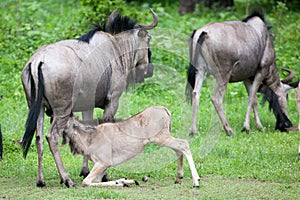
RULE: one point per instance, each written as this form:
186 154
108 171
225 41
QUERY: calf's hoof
105 178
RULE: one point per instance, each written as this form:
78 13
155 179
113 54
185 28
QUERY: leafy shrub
98 10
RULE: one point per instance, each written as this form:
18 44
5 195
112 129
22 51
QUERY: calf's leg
180 167
98 170
182 146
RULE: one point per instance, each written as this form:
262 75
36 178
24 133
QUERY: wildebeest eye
142 33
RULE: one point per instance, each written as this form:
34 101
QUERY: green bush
98 10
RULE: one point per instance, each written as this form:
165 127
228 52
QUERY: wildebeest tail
35 107
282 121
191 75
196 58
191 72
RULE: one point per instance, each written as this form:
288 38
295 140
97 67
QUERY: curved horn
113 15
151 26
290 77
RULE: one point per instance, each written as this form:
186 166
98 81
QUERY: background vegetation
260 165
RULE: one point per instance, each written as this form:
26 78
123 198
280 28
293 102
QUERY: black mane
282 121
118 25
257 12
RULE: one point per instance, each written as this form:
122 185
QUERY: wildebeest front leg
252 97
248 85
39 142
86 115
110 111
217 100
57 126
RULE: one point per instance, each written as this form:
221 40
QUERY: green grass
260 165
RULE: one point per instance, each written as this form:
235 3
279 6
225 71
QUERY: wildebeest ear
287 87
142 33
113 15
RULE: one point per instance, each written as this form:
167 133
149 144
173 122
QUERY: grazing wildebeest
80 75
110 144
234 51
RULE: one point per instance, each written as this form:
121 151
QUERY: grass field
260 165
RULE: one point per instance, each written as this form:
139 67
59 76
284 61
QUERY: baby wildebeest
110 144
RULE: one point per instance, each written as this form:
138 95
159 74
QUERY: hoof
136 183
196 186
40 184
105 178
68 183
247 130
192 134
178 180
84 173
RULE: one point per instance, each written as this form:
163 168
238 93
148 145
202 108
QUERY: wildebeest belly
242 71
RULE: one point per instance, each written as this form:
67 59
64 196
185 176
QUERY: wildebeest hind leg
195 100
39 141
55 131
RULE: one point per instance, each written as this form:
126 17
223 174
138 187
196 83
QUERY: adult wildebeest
234 51
111 144
80 75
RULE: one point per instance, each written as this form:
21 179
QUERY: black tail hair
282 121
191 78
36 104
191 73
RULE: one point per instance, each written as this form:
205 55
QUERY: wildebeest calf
110 144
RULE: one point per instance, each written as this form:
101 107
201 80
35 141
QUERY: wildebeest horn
155 22
113 15
290 77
